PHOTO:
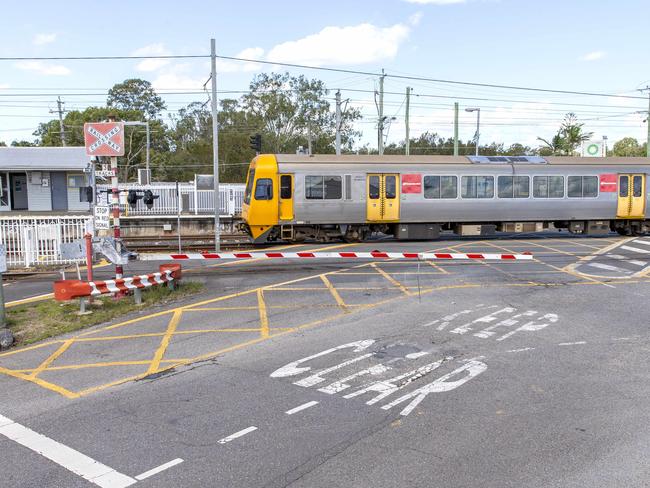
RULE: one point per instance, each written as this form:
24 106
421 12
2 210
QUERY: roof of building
43 158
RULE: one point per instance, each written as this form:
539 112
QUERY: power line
321 68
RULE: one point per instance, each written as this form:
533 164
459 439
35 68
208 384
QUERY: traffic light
256 143
148 198
86 194
133 197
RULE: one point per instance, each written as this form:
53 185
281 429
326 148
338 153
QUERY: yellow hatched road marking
391 279
63 348
164 343
335 294
264 318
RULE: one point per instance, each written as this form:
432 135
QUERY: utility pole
455 128
215 145
408 133
115 207
380 110
60 110
338 122
647 144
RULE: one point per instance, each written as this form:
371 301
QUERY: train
349 197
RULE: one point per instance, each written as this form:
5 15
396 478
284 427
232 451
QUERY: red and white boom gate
421 256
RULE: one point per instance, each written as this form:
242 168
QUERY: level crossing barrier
71 289
424 256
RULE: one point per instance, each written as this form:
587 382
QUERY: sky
577 45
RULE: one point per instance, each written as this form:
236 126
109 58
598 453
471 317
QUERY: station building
43 179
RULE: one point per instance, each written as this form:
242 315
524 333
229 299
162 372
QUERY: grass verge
33 322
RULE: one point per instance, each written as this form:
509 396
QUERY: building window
323 187
582 186
440 187
76 181
548 186
264 189
477 186
514 186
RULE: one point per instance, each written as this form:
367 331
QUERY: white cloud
157 49
43 38
359 44
593 56
177 77
436 2
43 68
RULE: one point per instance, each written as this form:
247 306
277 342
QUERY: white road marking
415 355
162 467
342 384
234 436
486 319
72 460
635 249
317 377
572 343
299 408
640 241
608 267
624 258
522 349
532 326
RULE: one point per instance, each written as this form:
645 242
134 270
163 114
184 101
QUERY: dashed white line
635 249
572 343
522 349
608 267
234 436
72 460
162 467
299 408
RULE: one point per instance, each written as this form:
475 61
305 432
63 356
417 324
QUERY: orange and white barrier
425 256
69 289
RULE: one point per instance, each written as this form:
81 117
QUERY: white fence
31 241
192 201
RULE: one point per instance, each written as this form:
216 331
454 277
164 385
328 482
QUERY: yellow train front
327 197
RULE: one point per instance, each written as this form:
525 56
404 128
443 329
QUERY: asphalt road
354 374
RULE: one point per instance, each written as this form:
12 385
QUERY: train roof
400 159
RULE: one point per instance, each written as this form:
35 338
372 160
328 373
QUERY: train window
249 187
323 187
514 186
285 186
623 186
477 186
333 187
373 187
391 186
637 185
548 186
264 189
440 187
582 186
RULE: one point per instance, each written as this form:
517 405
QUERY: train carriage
327 197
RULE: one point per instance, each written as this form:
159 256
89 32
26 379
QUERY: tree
568 138
628 146
23 143
290 111
3 144
136 94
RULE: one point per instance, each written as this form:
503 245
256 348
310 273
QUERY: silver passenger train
326 197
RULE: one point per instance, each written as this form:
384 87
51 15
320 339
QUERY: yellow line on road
63 348
23 301
45 384
391 279
264 319
164 343
335 294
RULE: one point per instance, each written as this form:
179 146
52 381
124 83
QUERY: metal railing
32 241
192 200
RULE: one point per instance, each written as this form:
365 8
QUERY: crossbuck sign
104 139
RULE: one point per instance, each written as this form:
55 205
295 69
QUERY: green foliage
568 138
23 144
137 95
628 146
431 144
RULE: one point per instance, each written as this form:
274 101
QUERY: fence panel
31 241
197 202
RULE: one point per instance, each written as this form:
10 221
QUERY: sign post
6 336
107 139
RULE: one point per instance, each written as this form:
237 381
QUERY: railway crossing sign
104 138
102 217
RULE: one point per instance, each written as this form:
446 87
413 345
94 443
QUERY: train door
382 203
631 197
286 197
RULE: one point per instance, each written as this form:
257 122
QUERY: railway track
188 243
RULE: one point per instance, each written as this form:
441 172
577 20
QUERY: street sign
102 214
104 139
104 172
73 250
